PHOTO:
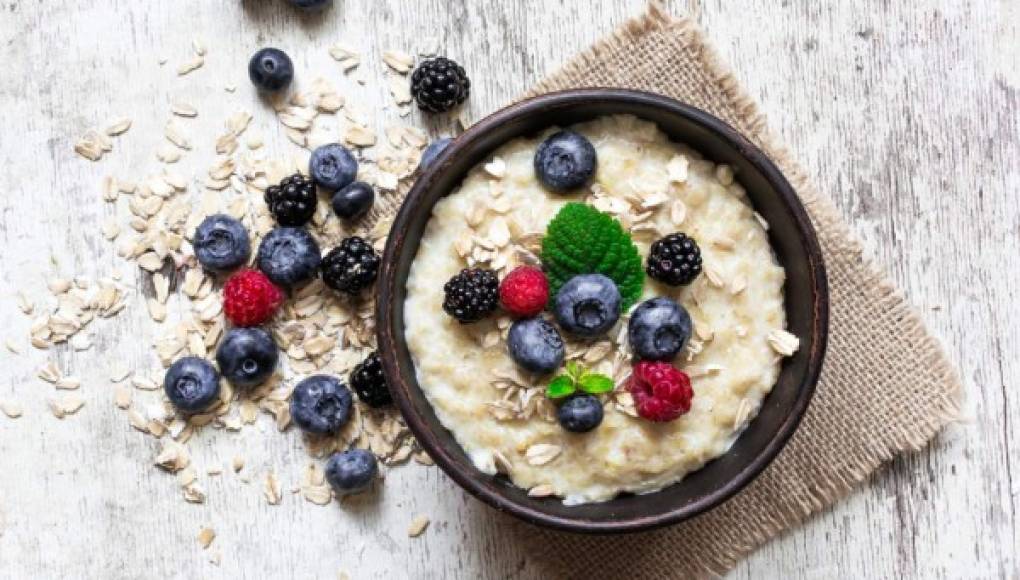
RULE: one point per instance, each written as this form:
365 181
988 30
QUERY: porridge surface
735 304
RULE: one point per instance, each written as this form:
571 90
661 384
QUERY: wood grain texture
908 114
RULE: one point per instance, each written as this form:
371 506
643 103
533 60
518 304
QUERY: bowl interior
792 239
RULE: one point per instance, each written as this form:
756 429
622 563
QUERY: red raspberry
661 392
249 298
524 291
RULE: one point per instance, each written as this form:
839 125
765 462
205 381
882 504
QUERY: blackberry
292 202
439 84
351 266
674 260
368 382
471 294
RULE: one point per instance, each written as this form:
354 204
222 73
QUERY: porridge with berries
596 310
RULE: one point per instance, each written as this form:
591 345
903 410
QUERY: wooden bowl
793 240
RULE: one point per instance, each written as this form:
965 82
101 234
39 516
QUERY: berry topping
471 295
565 161
351 267
292 202
658 329
351 471
353 201
191 384
439 84
250 298
432 152
588 305
332 167
674 260
289 256
221 243
535 345
369 383
524 292
270 69
247 356
320 404
580 413
660 391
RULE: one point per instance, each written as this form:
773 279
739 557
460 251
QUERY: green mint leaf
595 384
574 370
560 387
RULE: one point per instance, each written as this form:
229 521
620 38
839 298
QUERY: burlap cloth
886 386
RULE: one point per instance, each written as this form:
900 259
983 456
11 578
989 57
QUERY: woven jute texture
886 386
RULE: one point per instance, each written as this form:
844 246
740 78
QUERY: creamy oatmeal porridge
501 415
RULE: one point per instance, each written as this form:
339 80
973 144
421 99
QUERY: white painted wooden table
908 113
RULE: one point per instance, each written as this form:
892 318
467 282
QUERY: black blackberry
674 260
471 295
292 202
368 381
439 84
350 267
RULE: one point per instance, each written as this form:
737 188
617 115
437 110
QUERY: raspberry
249 298
661 392
525 291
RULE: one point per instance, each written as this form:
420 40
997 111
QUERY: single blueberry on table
191 384
658 329
332 166
320 404
580 413
565 161
535 345
432 152
289 256
351 471
221 243
587 305
353 201
247 356
270 70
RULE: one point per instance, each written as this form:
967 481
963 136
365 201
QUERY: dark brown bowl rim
469 477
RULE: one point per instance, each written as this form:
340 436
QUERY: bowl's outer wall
792 239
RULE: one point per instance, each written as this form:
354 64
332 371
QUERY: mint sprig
578 378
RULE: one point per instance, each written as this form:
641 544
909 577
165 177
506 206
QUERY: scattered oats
194 494
463 119
783 342
191 65
359 136
542 490
417 527
68 383
111 229
173 134
271 489
254 141
496 168
237 463
162 286
49 373
137 421
342 52
400 89
678 169
59 286
144 384
724 173
206 537
295 122
399 61
317 494
182 109
11 409
650 202
319 345
423 458
198 47
150 261
386 181
238 122
24 305
713 277
122 396
157 310
118 127
68 404
89 147
12 346
230 88
541 453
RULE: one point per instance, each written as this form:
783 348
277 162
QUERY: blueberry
221 243
658 329
270 69
320 404
191 384
535 345
247 356
332 167
310 4
580 413
565 161
432 152
353 201
587 305
289 256
351 471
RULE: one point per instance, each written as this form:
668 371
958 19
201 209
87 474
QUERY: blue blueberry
658 329
247 356
289 256
432 152
221 243
270 70
310 4
535 345
565 161
320 404
191 384
332 167
351 471
580 413
587 305
353 201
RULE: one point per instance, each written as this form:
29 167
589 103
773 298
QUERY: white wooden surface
908 113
